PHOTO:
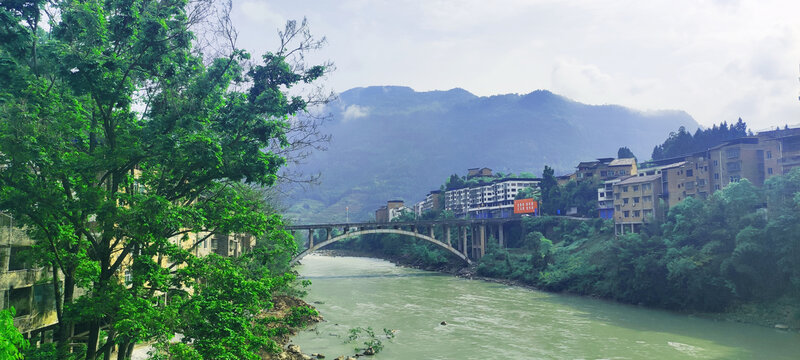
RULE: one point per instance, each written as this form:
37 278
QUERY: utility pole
347 214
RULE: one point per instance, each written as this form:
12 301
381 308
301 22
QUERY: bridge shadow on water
366 276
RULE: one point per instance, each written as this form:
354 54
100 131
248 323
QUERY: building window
625 200
636 200
624 189
626 213
635 187
701 182
646 187
732 153
636 213
616 196
689 172
18 259
735 179
769 171
617 207
716 163
716 187
689 185
769 154
20 299
647 198
647 212
43 297
716 176
602 173
734 166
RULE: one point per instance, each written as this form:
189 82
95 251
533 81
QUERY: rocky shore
282 306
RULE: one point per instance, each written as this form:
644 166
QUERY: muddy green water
493 321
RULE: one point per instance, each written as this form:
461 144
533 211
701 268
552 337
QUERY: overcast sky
718 60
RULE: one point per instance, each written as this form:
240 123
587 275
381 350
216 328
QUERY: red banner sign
525 206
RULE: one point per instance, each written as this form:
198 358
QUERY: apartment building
27 288
492 200
606 169
393 209
605 199
782 150
636 201
738 159
479 172
433 201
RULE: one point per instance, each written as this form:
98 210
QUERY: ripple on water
491 321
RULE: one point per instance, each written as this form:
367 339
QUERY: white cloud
716 59
261 12
354 111
585 83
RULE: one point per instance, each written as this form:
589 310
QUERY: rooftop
639 179
622 162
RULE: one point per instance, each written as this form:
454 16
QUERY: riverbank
282 310
783 314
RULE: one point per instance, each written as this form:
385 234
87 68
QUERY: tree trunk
122 350
91 342
64 330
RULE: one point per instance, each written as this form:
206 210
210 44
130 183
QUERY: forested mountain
684 143
394 142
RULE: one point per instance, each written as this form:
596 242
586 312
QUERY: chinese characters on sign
525 206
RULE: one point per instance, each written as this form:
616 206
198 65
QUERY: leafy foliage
625 153
705 255
123 149
368 339
12 344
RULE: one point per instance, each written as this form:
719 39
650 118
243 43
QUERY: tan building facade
22 285
606 169
636 201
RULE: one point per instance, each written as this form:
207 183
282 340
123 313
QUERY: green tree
118 140
548 185
625 153
12 344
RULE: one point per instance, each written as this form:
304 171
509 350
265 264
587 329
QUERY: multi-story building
605 169
738 159
492 200
433 201
418 208
392 210
605 199
29 289
781 152
636 201
479 172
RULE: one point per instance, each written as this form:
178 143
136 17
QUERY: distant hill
394 142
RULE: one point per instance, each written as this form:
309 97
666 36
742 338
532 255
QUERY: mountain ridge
394 142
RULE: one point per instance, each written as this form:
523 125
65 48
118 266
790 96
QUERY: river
494 321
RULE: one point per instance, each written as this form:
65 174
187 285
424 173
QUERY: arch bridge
468 244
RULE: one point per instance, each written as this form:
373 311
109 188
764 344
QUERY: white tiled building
495 199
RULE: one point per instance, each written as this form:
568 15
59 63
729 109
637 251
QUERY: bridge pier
482 246
328 233
500 235
464 240
310 238
447 235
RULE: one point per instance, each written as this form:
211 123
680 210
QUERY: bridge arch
381 231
